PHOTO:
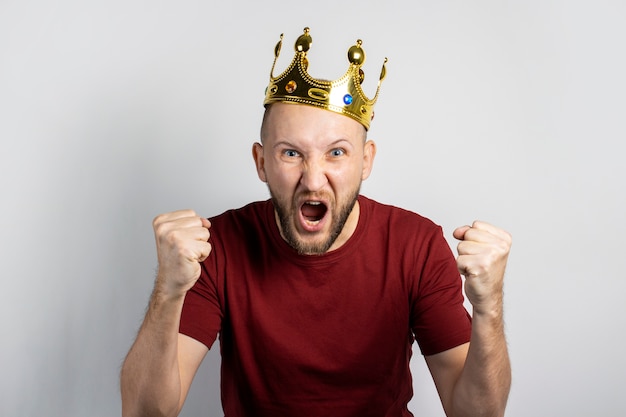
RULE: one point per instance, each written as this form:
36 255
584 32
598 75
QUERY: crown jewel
344 95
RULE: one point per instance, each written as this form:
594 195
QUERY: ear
259 160
369 152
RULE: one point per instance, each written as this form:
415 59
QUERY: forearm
483 387
150 378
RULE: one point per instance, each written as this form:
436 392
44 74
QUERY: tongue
313 212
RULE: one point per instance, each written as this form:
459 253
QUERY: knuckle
160 230
504 247
158 220
174 236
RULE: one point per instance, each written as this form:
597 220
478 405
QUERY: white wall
114 111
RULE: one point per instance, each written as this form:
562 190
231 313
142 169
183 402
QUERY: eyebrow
291 145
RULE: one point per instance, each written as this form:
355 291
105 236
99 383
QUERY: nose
313 176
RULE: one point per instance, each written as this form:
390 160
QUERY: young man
318 293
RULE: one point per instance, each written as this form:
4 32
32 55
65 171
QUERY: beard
287 212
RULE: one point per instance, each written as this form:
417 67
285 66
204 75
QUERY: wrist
491 317
166 288
161 297
489 305
164 309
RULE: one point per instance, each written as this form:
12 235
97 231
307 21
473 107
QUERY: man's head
313 161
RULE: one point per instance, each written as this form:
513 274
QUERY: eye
337 152
291 153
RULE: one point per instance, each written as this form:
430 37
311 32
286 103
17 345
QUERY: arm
161 364
474 379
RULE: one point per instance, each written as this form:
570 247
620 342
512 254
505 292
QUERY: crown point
303 43
356 55
278 46
383 71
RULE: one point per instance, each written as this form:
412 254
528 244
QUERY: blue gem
347 99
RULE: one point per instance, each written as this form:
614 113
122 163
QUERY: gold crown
344 95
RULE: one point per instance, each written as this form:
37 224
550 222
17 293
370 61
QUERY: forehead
298 122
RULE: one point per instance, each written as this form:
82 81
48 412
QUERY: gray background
112 112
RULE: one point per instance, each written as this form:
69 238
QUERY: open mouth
313 211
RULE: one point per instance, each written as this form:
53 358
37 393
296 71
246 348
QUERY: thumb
459 232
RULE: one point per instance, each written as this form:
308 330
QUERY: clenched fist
483 253
182 243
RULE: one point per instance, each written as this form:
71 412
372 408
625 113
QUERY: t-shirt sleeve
438 317
202 314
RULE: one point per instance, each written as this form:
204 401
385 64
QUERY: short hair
266 113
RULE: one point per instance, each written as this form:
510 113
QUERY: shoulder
397 219
254 212
249 222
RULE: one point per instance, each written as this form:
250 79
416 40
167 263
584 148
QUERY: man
318 294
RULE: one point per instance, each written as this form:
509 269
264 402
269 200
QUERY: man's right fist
182 243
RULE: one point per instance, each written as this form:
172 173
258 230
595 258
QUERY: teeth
313 203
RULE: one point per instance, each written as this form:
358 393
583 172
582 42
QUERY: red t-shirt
325 335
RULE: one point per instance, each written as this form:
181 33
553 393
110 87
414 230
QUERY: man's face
313 161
